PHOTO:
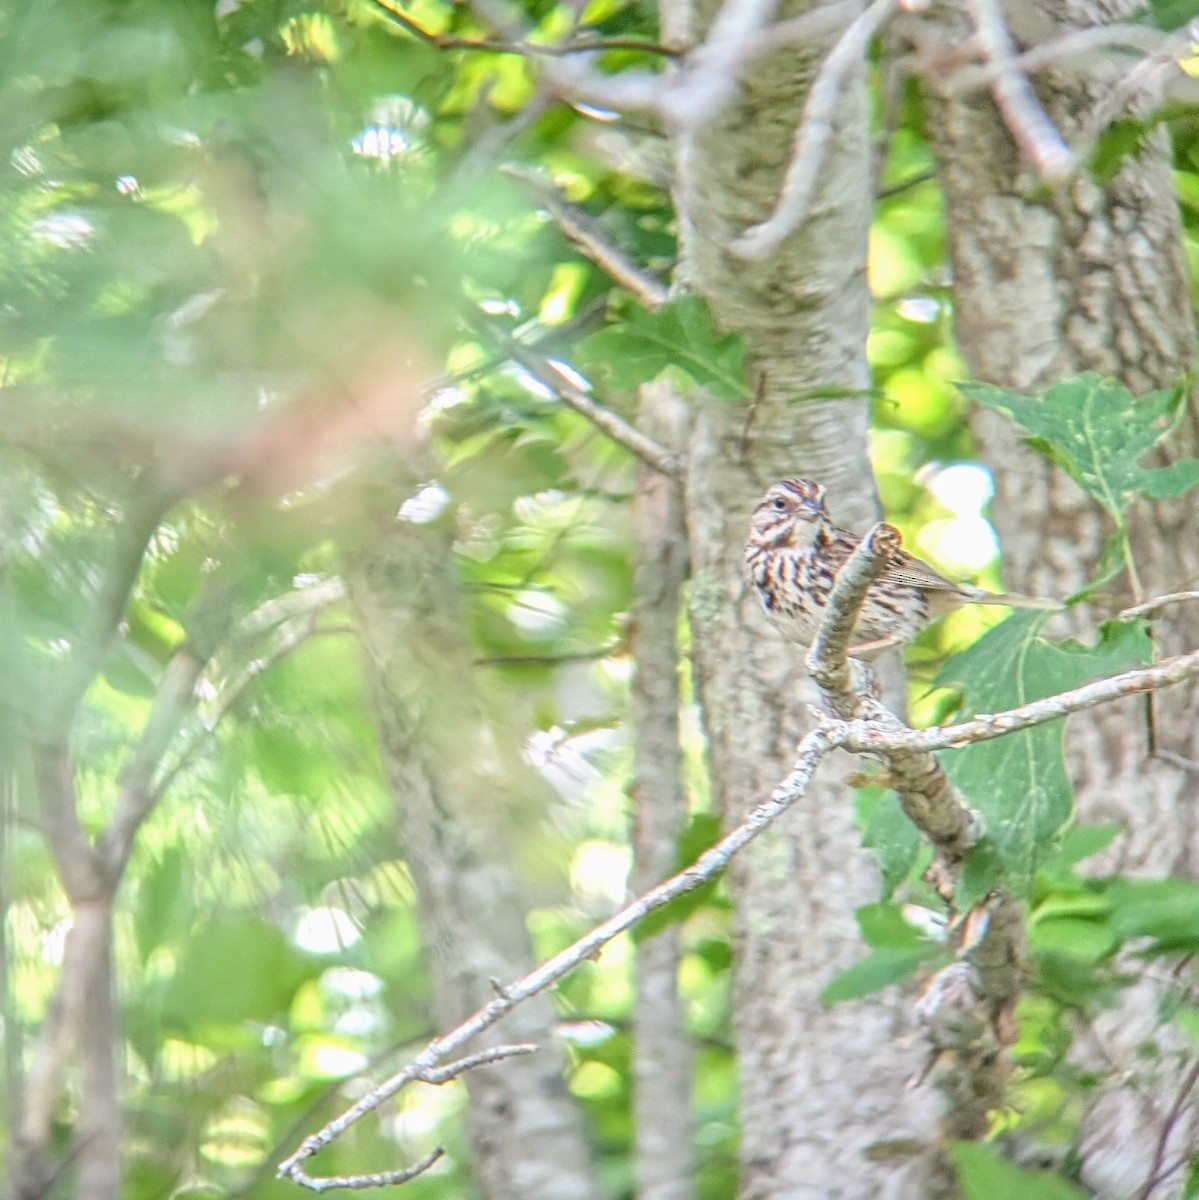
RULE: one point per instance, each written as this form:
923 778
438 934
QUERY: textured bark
818 1085
1088 277
525 1132
663 1155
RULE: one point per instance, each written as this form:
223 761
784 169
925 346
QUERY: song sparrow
795 551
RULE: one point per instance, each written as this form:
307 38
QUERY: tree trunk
1090 276
818 1085
663 1129
525 1131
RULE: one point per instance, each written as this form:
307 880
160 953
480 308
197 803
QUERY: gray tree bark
818 1085
525 1131
1090 276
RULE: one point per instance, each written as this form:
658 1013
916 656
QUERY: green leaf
897 949
879 969
983 1175
1190 1189
889 835
883 927
1097 431
238 969
1166 910
1072 935
1081 842
1019 783
161 910
1173 14
643 344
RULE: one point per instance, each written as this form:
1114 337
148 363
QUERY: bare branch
135 797
863 738
709 865
711 71
827 657
604 419
812 135
328 1183
439 1075
1157 603
298 603
548 660
1033 132
591 239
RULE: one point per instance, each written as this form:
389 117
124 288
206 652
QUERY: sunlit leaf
1019 783
1097 431
983 1175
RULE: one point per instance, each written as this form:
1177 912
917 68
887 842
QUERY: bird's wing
911 572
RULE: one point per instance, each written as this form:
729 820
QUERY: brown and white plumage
794 553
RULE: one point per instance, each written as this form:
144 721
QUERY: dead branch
812 135
591 240
604 419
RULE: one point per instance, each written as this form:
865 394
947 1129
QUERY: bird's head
789 515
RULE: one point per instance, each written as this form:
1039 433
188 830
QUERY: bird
793 555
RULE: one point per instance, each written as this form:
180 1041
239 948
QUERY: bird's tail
1014 600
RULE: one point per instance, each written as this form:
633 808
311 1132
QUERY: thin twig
548 660
1076 42
905 185
328 1183
813 132
587 235
439 1075
1168 1123
604 419
862 738
1033 132
1158 602
524 49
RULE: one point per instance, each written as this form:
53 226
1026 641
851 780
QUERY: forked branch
984 978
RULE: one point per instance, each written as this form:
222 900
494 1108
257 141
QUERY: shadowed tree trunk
818 1085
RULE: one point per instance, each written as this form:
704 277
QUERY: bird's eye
779 504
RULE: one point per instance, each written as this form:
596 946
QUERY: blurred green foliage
205 210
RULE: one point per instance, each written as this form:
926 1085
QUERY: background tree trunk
818 1085
1088 277
664 1130
525 1131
